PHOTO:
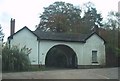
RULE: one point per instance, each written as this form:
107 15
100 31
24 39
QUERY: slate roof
59 36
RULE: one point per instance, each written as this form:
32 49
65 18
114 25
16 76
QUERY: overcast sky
27 12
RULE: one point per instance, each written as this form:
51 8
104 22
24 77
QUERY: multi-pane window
94 57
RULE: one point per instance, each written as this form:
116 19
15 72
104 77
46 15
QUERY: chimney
12 26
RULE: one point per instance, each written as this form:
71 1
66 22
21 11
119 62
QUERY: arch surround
61 56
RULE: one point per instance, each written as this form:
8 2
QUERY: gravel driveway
103 73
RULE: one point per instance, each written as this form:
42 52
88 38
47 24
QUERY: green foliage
90 19
60 17
112 56
0 29
112 26
15 59
65 17
112 45
112 36
1 33
113 21
117 50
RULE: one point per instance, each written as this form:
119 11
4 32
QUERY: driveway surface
103 73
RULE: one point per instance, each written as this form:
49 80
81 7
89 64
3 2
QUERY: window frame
95 56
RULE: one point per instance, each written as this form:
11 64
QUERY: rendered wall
45 46
25 37
83 50
97 44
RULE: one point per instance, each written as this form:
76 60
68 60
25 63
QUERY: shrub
112 55
15 59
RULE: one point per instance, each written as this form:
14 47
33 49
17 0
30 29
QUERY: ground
102 73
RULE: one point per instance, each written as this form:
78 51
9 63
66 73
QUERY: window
94 57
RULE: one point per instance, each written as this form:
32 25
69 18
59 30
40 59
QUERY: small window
94 57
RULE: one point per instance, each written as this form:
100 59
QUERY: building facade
61 50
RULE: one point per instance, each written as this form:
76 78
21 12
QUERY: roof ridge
73 37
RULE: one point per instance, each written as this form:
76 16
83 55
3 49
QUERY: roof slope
59 36
25 27
65 36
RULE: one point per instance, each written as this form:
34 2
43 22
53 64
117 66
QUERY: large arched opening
61 56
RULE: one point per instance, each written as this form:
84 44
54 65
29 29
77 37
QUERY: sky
27 12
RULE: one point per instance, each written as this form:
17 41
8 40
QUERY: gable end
97 35
11 37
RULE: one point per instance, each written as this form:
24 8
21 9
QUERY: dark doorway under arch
61 56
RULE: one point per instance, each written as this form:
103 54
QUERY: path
103 73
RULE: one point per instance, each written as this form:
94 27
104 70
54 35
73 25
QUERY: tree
113 21
112 26
65 17
1 39
60 17
91 17
1 33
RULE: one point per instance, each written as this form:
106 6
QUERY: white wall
25 37
94 43
83 50
46 45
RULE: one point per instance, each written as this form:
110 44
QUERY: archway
61 56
